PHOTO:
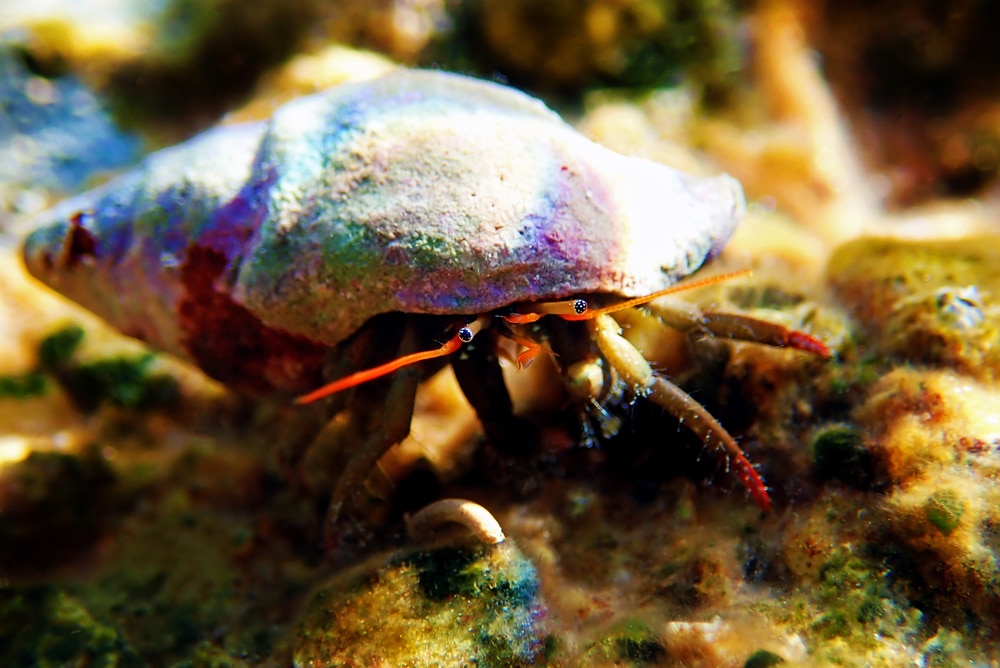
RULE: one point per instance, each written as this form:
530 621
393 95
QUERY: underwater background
145 517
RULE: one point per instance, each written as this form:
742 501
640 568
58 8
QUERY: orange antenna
464 335
638 301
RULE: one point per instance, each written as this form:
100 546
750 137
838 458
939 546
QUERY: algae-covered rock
634 43
44 627
560 45
839 453
165 62
54 506
126 381
931 323
632 643
461 605
931 434
191 575
926 302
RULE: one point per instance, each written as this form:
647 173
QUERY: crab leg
636 372
686 317
696 418
479 375
389 424
380 414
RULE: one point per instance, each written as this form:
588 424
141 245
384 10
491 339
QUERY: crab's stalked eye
591 313
532 312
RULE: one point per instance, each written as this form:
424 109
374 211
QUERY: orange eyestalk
579 309
591 313
464 335
564 308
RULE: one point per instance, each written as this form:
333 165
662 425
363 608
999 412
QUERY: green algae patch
58 348
930 302
54 352
944 510
856 597
840 454
126 382
763 659
632 643
172 582
44 627
453 605
24 386
188 580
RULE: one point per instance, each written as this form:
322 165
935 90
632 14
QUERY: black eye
580 306
465 334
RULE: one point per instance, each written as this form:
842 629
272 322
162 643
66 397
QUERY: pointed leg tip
809 343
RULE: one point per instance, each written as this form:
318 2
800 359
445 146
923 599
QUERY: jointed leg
636 372
315 432
686 317
695 417
379 417
481 379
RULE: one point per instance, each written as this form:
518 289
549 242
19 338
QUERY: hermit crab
446 214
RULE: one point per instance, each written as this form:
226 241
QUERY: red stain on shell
231 344
79 243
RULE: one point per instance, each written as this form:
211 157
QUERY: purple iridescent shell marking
420 192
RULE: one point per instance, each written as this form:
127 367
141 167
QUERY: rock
451 605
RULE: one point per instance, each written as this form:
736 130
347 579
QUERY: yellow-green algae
174 570
846 604
926 420
944 510
632 643
450 605
44 627
930 302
